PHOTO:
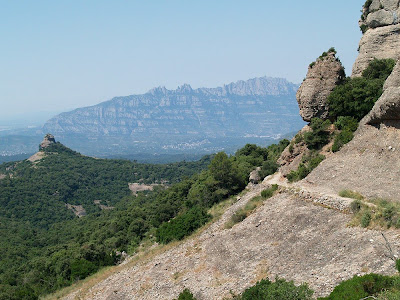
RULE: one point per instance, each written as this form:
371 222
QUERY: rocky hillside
181 119
306 232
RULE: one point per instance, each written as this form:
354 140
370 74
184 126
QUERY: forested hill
45 245
38 192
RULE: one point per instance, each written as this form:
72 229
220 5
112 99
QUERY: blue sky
59 55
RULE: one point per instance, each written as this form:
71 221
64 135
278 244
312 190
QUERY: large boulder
381 23
387 108
321 79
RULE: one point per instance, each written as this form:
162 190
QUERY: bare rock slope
285 237
369 164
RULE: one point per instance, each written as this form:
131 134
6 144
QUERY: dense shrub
182 225
319 136
365 219
81 269
280 289
360 287
186 295
346 123
355 97
379 69
269 167
367 4
341 139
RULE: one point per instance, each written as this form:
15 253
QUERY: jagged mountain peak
259 107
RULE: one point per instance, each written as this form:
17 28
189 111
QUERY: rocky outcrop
291 157
321 79
387 108
47 141
380 13
381 24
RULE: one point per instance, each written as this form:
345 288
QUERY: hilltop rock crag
47 141
381 23
321 79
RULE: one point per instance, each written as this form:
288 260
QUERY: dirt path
307 191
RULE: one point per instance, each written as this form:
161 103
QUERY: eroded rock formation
321 79
47 141
381 23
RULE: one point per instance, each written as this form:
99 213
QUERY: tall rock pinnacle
322 77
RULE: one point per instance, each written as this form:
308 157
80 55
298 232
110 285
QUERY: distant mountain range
183 120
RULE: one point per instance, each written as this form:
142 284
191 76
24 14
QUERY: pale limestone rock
380 43
381 18
321 79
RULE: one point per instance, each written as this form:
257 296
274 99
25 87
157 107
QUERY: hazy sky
58 55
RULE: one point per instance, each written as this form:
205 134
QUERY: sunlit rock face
321 79
380 22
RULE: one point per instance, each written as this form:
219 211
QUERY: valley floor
286 237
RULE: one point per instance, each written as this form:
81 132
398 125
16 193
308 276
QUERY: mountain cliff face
380 23
254 108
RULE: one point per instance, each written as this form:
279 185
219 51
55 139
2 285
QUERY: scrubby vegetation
309 163
369 286
323 55
347 125
361 287
373 212
319 134
279 289
186 295
182 225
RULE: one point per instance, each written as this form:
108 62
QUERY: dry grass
262 270
351 194
376 214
